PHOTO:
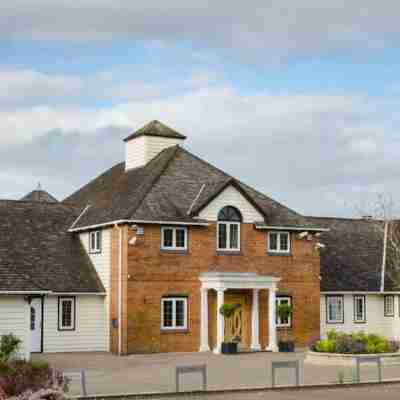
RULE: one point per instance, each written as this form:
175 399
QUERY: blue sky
298 100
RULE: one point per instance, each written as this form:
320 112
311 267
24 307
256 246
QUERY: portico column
204 321
272 346
220 321
255 327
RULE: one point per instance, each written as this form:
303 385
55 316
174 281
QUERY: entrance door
237 326
36 325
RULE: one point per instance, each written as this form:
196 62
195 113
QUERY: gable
231 197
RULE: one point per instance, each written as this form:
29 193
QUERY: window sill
359 322
174 331
229 253
94 251
279 253
335 323
173 251
280 328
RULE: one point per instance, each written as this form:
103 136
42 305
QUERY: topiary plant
228 309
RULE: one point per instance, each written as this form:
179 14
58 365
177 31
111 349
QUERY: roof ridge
149 185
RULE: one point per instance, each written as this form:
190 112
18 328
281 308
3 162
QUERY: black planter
286 347
229 348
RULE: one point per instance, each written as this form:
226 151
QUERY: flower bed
355 343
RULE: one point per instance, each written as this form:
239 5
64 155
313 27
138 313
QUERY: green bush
9 346
355 343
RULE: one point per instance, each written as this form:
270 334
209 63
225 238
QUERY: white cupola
147 142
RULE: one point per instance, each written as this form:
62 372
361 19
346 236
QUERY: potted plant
227 311
285 343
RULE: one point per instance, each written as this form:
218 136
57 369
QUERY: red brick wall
152 273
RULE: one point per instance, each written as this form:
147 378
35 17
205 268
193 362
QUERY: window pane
98 240
389 306
284 242
273 241
168 238
66 318
180 238
359 308
92 241
234 236
222 236
167 313
180 313
335 309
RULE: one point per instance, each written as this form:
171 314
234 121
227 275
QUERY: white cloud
266 29
318 152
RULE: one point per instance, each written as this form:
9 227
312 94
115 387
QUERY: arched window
229 219
230 214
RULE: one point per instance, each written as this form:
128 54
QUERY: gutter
26 292
384 256
119 290
291 228
136 221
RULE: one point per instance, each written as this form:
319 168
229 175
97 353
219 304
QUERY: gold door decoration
234 325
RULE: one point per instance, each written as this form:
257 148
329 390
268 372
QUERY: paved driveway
109 374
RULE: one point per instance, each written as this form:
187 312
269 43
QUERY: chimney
144 144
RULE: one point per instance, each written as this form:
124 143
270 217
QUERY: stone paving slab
108 374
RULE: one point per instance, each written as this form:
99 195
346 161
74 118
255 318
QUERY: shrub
355 343
20 376
9 346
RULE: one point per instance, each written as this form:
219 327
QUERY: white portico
223 281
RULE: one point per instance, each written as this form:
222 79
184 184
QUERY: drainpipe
119 290
385 238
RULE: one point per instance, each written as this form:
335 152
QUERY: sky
298 99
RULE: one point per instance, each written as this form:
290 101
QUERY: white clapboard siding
376 322
14 318
102 264
90 333
141 150
231 197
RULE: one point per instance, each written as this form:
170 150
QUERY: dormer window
95 242
229 220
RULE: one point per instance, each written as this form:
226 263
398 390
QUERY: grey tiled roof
37 253
156 128
165 190
352 258
40 195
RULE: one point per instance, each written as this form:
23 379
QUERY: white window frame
364 313
279 324
278 242
61 302
97 235
328 319
386 312
174 246
228 236
174 300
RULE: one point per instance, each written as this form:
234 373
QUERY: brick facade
150 273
